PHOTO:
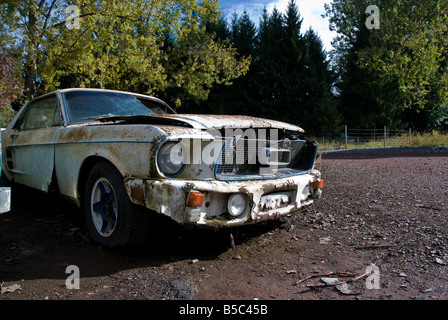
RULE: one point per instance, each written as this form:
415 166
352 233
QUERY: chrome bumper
266 199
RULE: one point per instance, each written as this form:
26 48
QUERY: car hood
203 122
228 122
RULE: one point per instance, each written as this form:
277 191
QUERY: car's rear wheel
112 219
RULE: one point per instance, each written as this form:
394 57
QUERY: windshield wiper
106 118
140 119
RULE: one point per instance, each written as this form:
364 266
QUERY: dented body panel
57 156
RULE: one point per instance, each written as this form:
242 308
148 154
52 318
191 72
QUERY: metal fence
356 138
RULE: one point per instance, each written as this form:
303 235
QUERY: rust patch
76 134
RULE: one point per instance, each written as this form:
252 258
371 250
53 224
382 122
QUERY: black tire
4 181
112 220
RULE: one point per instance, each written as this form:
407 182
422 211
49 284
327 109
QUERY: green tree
289 78
136 45
318 102
400 66
24 29
244 35
10 84
293 75
238 97
294 65
269 65
365 100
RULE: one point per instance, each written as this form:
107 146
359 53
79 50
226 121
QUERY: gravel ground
379 232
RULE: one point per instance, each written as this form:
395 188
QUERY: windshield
86 106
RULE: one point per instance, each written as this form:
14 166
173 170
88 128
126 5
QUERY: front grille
243 158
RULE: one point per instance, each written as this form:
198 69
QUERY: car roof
106 90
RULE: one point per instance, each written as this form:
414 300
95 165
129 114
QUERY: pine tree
294 51
269 65
319 104
244 37
289 78
238 97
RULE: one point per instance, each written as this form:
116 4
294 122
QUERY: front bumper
266 199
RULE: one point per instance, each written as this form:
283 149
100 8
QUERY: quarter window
42 113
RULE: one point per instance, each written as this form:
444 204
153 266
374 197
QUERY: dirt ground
380 228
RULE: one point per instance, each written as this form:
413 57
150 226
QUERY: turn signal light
195 199
138 194
318 184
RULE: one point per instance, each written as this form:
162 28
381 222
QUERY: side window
43 113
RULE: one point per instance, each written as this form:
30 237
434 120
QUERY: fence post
410 136
346 139
385 136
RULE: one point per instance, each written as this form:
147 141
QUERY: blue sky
310 10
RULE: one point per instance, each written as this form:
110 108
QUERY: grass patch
432 139
428 139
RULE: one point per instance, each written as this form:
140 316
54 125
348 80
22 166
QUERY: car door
30 150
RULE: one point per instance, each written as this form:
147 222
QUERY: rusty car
123 157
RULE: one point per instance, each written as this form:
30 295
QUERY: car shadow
42 236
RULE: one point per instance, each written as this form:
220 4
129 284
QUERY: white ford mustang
120 156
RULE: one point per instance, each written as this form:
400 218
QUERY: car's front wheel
111 218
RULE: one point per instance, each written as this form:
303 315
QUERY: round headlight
169 158
236 204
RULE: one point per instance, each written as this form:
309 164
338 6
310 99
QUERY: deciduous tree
135 45
10 85
400 66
